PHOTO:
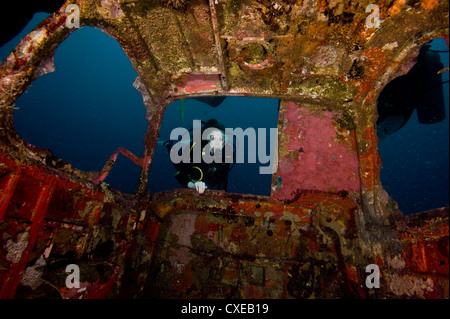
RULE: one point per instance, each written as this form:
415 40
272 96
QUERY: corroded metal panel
52 221
316 151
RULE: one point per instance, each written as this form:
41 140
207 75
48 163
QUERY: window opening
415 147
246 113
88 108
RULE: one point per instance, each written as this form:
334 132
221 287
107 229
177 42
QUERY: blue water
415 170
88 108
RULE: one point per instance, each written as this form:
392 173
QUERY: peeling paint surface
312 157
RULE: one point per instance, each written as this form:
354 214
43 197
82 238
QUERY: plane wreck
328 216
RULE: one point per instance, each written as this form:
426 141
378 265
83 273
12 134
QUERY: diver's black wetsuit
215 175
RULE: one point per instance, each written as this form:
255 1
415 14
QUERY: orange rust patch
397 7
370 160
377 63
202 226
429 4
344 138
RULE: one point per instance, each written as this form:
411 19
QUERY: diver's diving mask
216 140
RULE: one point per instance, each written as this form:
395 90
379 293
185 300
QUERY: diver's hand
198 186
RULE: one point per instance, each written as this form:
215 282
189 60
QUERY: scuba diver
420 89
206 174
